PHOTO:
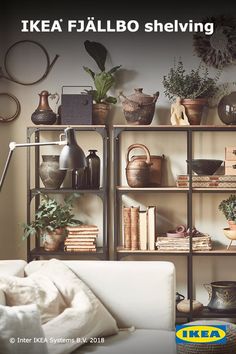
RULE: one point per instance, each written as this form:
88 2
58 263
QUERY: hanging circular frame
18 108
48 64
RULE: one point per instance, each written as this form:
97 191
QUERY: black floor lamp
72 156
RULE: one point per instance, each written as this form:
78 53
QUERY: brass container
222 296
138 170
139 107
155 169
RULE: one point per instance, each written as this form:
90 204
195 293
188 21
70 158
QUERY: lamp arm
14 145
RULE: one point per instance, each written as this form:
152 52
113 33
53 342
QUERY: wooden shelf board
219 127
41 252
62 127
208 313
151 189
216 189
66 190
216 251
220 250
174 189
130 252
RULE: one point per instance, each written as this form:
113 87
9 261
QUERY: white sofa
140 296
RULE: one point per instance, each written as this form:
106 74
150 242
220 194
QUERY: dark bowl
205 166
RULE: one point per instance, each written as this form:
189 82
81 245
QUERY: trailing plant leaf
50 216
98 52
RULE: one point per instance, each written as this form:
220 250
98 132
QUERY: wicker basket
207 348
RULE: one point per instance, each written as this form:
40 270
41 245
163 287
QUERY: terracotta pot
53 240
232 225
100 113
194 109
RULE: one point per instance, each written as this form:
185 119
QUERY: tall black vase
93 170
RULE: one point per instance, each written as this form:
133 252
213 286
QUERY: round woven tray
206 348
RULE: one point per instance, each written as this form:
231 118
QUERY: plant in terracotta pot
51 220
103 82
193 88
228 208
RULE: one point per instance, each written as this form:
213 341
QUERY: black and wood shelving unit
120 190
34 250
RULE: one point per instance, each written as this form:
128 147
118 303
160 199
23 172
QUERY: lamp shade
72 156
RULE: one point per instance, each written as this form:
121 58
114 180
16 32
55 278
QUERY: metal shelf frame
33 134
120 190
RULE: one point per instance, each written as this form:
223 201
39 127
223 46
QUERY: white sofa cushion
137 293
19 327
36 289
2 298
138 342
12 267
68 307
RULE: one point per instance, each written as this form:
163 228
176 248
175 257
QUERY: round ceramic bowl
205 166
231 234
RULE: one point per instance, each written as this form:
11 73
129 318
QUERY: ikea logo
201 334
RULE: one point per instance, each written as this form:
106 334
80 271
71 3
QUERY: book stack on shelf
199 243
139 228
211 181
81 238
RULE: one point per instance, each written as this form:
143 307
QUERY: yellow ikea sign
201 334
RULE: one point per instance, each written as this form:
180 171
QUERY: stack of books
199 243
212 181
139 228
81 238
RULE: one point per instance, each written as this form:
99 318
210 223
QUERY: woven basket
207 348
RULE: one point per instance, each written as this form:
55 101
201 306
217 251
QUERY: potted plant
193 88
228 208
51 220
103 82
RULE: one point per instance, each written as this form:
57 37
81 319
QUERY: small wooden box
230 153
230 167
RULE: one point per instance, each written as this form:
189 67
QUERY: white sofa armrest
12 267
2 298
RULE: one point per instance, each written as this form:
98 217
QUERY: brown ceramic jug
139 107
138 170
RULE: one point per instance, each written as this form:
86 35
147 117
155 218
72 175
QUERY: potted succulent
193 88
51 219
103 82
228 208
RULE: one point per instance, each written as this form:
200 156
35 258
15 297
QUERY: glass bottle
93 165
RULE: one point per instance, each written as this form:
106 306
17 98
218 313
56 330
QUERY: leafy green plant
195 84
228 208
103 80
50 216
